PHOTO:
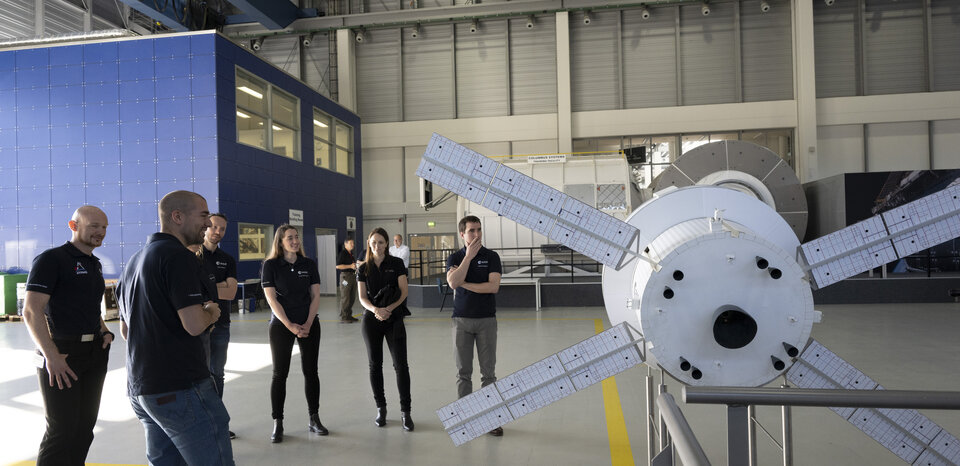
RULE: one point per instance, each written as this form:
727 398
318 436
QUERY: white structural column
564 108
38 18
346 69
805 89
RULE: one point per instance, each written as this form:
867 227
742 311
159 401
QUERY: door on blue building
327 260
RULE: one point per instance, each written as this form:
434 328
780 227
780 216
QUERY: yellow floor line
620 452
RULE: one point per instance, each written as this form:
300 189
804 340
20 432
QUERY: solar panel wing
603 355
905 432
528 202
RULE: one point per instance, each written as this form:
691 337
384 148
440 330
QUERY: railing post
787 431
752 434
651 443
737 448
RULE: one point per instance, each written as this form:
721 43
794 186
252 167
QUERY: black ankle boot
406 420
315 425
277 435
381 419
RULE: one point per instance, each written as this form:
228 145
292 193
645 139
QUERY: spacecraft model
709 283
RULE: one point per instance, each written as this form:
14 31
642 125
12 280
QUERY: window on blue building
332 143
267 117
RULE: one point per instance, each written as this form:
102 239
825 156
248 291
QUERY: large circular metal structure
746 167
722 299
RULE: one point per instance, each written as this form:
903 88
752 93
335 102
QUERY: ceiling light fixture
250 91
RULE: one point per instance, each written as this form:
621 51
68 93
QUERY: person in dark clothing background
347 267
382 284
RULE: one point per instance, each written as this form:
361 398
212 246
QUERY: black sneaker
232 435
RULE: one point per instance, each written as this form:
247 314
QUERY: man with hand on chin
62 312
474 272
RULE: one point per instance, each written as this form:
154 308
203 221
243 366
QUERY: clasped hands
300 330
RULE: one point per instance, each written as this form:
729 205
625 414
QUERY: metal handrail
895 399
684 441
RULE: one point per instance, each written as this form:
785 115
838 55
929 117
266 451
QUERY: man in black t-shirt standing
162 312
62 311
474 272
224 267
347 268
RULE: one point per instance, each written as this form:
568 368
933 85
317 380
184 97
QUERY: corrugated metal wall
945 53
595 61
766 52
378 76
481 61
650 59
533 66
60 18
18 18
894 44
428 73
708 67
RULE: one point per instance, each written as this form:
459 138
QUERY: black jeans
281 346
374 332
72 412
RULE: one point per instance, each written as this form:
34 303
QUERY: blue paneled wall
119 124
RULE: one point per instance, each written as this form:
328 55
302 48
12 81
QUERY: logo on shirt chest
303 273
483 263
79 269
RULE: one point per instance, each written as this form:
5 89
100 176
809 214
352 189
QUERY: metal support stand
651 424
664 435
787 432
738 451
752 433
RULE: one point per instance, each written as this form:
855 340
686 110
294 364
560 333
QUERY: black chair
444 290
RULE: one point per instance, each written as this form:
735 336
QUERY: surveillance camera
256 44
764 6
416 31
644 13
828 2
586 17
474 26
361 35
307 40
530 22
705 10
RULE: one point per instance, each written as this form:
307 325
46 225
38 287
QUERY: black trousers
281 347
72 412
374 332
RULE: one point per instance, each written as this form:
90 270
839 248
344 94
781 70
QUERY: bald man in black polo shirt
62 311
162 312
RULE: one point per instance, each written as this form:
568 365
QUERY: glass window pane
285 109
321 125
344 162
691 141
724 137
344 135
284 141
251 130
250 93
321 154
254 240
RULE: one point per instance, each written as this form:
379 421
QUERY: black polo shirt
388 273
292 283
345 258
74 281
467 303
224 266
159 280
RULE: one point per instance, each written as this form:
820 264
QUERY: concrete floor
901 346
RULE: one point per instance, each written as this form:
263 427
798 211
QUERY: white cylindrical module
722 299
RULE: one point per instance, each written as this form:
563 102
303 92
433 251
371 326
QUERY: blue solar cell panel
172 46
29 58
172 67
168 149
33 77
102 153
133 110
102 174
70 96
173 108
135 49
67 55
101 52
66 135
204 106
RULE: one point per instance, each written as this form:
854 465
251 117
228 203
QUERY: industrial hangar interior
826 112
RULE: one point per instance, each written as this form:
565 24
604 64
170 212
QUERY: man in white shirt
400 250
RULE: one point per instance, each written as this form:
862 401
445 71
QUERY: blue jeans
219 339
186 426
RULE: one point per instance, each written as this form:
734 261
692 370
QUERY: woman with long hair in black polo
382 286
291 284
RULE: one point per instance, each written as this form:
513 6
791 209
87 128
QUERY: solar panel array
905 432
884 238
603 355
526 201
